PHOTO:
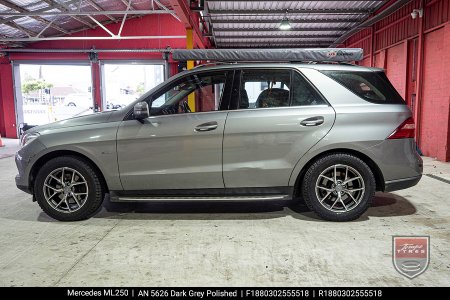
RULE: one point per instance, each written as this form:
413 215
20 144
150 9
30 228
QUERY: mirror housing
141 111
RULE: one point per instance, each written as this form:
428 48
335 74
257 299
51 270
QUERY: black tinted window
264 88
303 93
371 86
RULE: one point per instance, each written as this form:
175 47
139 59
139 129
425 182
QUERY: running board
190 198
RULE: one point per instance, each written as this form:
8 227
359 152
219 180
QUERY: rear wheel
68 189
338 187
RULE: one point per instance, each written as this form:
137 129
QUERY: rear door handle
206 126
313 121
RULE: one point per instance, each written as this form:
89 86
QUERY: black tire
308 187
95 193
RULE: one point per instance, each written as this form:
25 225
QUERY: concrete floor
257 244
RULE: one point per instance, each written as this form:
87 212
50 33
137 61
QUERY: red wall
7 106
426 87
152 25
436 96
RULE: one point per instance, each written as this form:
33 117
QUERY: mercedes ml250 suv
329 134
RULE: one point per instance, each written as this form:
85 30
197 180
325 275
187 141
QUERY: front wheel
68 189
339 187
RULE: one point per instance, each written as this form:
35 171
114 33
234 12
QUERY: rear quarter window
373 87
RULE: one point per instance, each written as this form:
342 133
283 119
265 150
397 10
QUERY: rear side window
303 93
371 86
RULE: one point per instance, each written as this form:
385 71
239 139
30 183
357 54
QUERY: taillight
404 131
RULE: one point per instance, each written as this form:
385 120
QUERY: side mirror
141 111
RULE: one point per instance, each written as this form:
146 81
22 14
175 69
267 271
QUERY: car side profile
329 134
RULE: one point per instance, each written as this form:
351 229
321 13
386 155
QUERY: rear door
279 116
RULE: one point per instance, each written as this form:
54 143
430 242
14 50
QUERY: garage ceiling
231 24
243 24
28 20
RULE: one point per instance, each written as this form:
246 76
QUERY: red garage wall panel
396 68
418 70
436 103
7 120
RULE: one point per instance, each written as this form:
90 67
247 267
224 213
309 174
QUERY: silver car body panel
262 146
165 152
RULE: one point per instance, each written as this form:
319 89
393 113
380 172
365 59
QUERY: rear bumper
400 184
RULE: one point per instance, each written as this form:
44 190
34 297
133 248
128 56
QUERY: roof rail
271 55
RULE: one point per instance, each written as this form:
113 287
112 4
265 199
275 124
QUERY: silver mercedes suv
326 134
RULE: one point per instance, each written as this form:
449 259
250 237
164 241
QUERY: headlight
27 138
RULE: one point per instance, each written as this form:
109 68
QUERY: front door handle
313 121
206 126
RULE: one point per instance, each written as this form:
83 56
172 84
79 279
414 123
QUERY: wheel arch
379 178
58 153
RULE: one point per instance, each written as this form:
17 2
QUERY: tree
35 85
140 88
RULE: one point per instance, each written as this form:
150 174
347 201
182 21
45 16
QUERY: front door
279 117
176 147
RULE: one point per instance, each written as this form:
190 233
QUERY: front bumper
21 186
400 184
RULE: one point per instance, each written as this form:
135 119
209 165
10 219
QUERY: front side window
207 90
264 88
371 86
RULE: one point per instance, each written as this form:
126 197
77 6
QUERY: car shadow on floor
384 205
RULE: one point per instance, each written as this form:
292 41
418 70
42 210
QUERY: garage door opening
122 83
48 93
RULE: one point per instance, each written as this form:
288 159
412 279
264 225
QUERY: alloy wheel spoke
326 177
353 198
335 201
340 199
324 188
57 179
78 183
351 179
335 180
325 197
346 173
76 199
67 203
62 175
354 190
73 177
50 187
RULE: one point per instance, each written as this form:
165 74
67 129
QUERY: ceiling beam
274 36
83 13
290 11
277 29
40 19
247 21
63 8
99 8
